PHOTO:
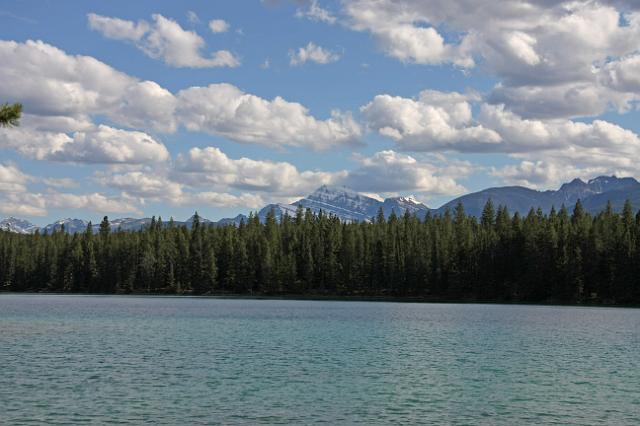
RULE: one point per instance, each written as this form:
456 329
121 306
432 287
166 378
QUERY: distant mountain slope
278 209
593 194
400 205
19 226
349 205
342 202
70 225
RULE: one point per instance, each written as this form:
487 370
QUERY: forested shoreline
561 257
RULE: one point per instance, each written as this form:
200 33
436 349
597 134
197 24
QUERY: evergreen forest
561 257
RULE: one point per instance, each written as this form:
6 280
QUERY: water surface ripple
140 360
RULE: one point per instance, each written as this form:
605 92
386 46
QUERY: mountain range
352 206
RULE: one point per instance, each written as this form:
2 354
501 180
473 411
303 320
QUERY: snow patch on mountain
19 226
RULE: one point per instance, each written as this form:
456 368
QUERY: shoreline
328 298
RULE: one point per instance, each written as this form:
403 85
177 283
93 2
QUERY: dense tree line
558 257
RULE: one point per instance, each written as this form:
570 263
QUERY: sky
163 108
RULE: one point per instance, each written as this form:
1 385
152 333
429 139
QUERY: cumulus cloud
541 174
157 185
314 12
564 58
118 29
225 110
219 26
220 199
143 184
623 74
439 121
95 202
146 105
22 204
163 39
404 31
549 149
204 184
553 152
392 172
312 53
383 172
211 166
62 93
529 135
12 179
209 176
49 82
38 204
433 121
100 145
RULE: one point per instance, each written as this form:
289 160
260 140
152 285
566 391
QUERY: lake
172 360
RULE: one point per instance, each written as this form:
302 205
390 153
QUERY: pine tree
10 115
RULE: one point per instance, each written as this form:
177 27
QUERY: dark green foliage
10 115
561 257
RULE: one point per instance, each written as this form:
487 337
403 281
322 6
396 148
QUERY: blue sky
141 108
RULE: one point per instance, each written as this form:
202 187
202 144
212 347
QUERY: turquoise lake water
141 360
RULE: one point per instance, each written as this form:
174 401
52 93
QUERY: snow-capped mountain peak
70 225
20 226
343 202
410 199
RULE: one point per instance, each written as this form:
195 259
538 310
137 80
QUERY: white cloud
47 81
403 31
100 144
383 172
392 172
95 202
623 74
118 29
314 12
62 92
529 135
561 101
147 105
210 166
554 152
219 26
225 110
550 57
163 39
542 174
434 121
22 204
220 199
438 121
522 46
182 188
312 52
38 204
12 179
549 150
144 184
